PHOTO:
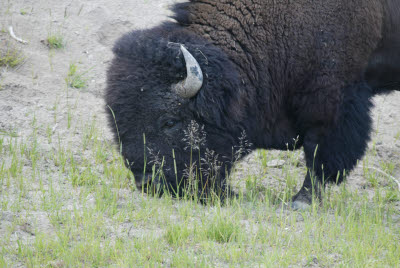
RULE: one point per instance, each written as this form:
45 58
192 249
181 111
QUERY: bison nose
143 182
139 185
149 184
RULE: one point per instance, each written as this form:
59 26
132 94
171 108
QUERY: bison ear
189 87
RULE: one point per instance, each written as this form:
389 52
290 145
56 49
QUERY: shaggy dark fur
278 70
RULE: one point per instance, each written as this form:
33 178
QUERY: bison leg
313 183
331 152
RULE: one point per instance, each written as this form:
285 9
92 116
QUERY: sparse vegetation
223 228
178 234
74 78
12 134
122 226
55 41
10 56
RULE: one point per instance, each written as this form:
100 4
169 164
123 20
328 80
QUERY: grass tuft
177 234
223 228
55 41
11 57
74 78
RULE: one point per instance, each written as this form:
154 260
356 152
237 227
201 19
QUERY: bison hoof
303 199
296 205
300 205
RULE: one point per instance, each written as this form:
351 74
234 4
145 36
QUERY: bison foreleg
332 152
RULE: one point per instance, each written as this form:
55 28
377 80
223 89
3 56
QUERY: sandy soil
37 91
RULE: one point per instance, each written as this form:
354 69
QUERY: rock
276 163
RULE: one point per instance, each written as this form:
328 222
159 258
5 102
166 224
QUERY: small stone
7 108
56 263
276 163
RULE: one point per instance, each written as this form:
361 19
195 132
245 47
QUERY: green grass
8 133
69 204
55 41
23 11
10 56
178 234
76 79
223 228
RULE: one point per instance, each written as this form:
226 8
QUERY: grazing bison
278 71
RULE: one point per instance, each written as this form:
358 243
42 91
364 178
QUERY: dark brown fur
305 50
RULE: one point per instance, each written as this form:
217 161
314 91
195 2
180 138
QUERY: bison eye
170 123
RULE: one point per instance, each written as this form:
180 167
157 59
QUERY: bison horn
194 80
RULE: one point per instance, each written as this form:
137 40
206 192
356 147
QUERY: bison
287 74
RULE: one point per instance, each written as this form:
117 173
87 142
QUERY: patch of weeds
106 199
1 144
11 134
182 258
2 260
253 188
55 109
116 171
16 165
55 41
74 78
223 229
144 252
388 166
397 136
177 235
49 133
11 57
90 134
392 195
86 177
61 157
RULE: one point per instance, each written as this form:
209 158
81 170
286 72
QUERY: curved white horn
194 80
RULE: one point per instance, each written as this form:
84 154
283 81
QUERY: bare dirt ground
34 95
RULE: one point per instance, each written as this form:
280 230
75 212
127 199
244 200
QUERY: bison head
175 101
